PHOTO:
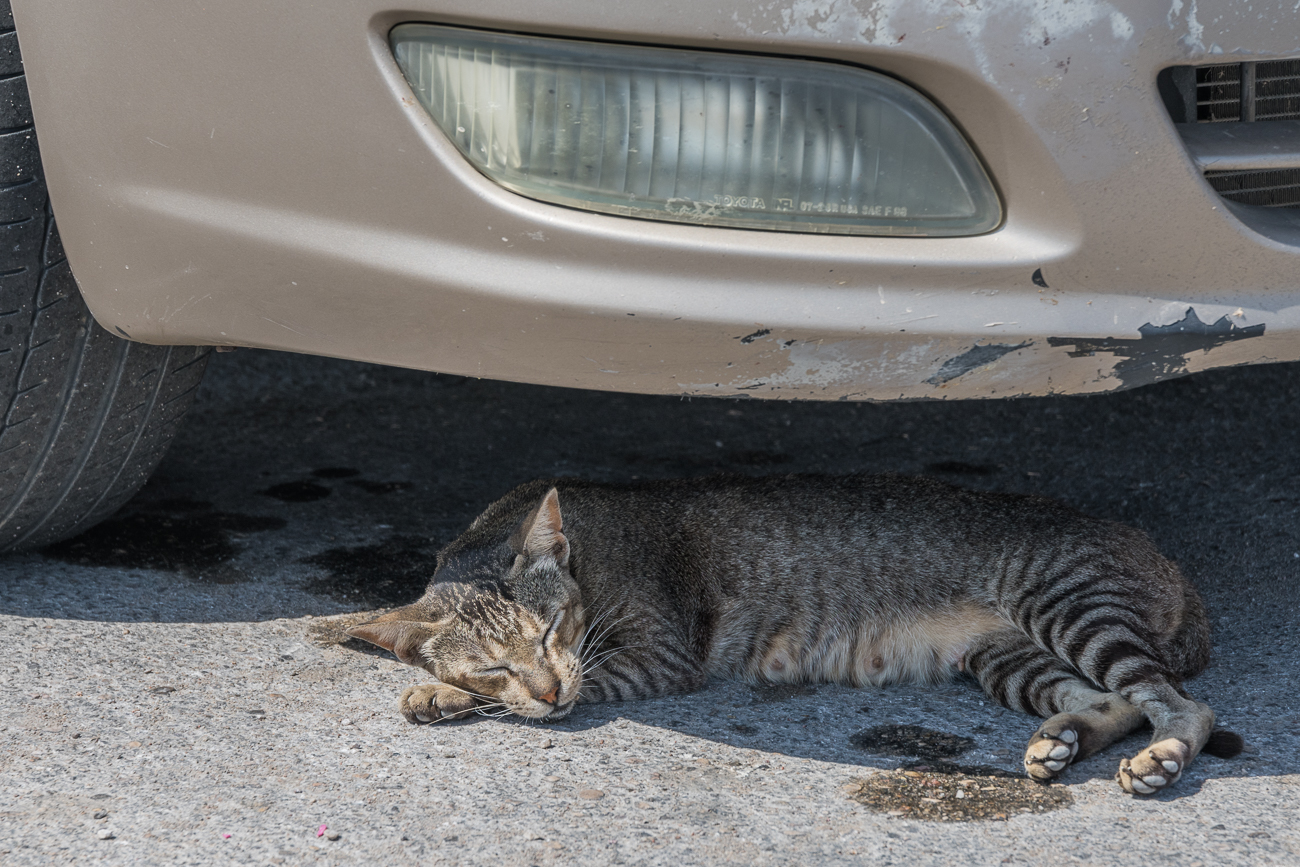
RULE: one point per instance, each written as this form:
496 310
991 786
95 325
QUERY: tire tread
87 415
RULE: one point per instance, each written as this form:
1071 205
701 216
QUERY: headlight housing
699 137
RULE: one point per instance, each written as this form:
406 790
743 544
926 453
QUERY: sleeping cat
566 591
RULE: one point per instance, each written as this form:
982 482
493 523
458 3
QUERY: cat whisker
487 710
604 630
467 692
603 657
603 634
589 641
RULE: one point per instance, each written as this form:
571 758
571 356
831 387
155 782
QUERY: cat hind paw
1050 751
1156 767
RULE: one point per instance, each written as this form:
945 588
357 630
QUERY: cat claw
1049 752
1156 767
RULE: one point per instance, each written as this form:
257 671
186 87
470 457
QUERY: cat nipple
877 665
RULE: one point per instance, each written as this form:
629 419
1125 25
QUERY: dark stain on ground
378 487
1161 352
394 572
910 740
758 458
707 464
335 473
1037 278
768 693
173 536
180 504
943 792
976 357
961 468
297 492
750 338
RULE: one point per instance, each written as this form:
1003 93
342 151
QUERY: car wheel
87 415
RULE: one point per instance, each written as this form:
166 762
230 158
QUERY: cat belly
926 647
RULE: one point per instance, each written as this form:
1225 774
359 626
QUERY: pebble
105 834
591 794
546 744
347 722
332 835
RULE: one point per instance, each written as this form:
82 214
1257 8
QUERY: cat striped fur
565 591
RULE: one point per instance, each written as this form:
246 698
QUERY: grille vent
1240 123
1279 189
1237 92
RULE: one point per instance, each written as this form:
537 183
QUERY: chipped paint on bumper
905 367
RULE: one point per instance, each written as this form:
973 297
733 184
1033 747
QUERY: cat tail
1188 651
1224 744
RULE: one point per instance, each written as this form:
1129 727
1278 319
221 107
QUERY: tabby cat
566 591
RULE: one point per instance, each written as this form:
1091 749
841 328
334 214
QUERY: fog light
699 137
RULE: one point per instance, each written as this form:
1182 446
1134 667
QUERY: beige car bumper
258 174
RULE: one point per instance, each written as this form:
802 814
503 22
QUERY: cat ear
402 632
539 536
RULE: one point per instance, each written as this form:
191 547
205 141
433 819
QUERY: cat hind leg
1121 656
1081 720
1090 721
1182 725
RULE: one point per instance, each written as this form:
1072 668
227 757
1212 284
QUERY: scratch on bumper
980 355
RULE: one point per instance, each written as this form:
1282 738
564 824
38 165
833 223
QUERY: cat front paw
1156 767
432 702
1050 750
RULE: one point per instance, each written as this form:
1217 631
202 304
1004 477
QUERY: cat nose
549 698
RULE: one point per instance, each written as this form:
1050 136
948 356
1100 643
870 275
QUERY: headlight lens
699 137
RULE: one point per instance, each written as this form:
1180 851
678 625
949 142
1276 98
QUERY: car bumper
250 174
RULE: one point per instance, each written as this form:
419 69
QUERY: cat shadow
932 729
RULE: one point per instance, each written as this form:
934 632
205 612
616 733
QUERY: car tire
87 415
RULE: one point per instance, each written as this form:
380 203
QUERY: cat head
503 621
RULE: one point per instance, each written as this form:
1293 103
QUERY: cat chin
559 713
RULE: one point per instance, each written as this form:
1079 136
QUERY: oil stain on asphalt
910 740
937 790
182 536
393 572
953 793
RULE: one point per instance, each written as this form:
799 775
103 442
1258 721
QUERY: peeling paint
1035 22
1161 352
817 367
1195 30
980 355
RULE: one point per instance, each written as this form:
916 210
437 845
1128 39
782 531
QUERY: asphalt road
177 681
